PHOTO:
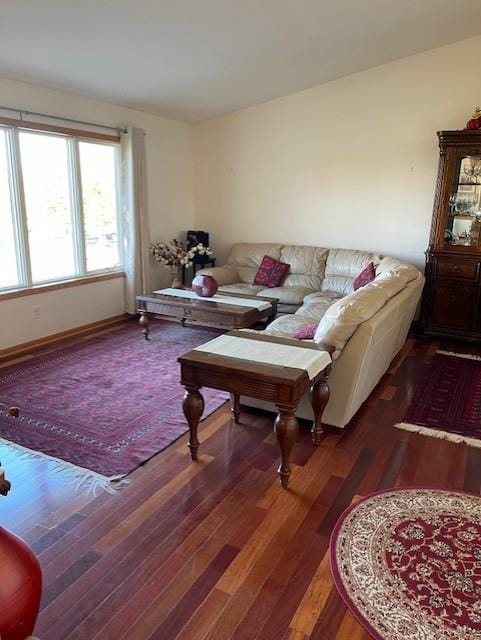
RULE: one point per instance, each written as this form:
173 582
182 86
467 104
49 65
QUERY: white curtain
135 217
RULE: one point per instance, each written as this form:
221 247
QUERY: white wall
59 310
169 149
351 163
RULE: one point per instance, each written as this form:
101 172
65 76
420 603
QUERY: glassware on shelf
465 203
470 170
452 202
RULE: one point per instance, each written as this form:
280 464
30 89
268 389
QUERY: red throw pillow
307 332
366 276
271 272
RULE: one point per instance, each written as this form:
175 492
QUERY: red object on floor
204 286
20 587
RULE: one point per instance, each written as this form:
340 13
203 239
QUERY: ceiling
197 59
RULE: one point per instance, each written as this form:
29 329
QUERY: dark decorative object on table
198 237
199 260
204 286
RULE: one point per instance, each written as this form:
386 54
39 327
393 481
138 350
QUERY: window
59 213
9 275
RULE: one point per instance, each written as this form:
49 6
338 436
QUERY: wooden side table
282 385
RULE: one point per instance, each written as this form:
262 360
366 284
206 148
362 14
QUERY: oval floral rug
407 563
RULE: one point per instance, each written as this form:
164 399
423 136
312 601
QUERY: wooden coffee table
230 316
282 385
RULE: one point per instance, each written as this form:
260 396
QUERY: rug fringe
468 356
437 433
81 477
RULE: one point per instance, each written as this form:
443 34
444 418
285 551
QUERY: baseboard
41 343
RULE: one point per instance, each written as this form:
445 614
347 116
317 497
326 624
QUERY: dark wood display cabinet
452 295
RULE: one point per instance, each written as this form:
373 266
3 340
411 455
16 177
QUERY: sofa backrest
342 268
247 256
317 268
307 266
344 316
394 266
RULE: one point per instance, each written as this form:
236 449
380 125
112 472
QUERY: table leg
193 407
287 428
319 394
144 323
5 485
235 407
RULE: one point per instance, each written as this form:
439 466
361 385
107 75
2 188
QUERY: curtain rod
22 112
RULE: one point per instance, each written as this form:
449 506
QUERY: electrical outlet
36 313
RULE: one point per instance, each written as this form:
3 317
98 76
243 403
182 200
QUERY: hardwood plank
281 511
472 476
198 592
330 618
203 619
350 629
315 597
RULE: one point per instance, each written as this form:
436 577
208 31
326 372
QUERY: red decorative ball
204 286
20 587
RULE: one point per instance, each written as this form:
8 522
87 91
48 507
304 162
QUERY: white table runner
268 353
261 305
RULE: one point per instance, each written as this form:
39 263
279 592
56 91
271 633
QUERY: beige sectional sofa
368 327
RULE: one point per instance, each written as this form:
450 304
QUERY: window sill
64 284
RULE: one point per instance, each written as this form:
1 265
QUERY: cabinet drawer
453 304
457 269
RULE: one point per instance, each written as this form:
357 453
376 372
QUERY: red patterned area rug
407 563
447 400
105 405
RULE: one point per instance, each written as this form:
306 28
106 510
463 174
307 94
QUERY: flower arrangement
174 253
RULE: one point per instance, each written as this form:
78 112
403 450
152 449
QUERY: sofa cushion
307 265
247 256
322 296
316 304
287 308
287 295
343 266
241 287
342 319
366 276
286 325
271 272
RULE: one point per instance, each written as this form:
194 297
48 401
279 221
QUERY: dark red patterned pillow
366 276
306 332
271 272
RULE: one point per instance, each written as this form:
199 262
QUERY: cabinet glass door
463 223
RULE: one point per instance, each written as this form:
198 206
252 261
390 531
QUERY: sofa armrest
224 275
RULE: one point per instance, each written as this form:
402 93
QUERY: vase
204 286
176 275
21 587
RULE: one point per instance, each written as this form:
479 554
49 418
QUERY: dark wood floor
216 550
